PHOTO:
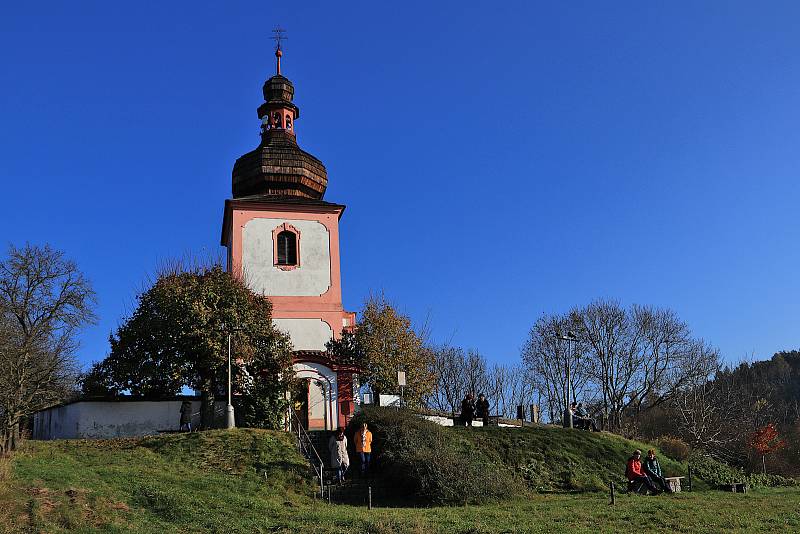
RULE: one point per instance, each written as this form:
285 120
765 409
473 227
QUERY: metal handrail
305 446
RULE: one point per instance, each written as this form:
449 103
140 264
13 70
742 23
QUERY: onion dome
278 167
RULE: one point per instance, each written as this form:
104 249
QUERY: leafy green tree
177 336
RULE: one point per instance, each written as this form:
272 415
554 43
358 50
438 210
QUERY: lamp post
230 419
569 338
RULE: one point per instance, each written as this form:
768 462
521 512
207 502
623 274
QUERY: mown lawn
216 482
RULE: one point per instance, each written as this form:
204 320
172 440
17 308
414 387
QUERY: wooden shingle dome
278 166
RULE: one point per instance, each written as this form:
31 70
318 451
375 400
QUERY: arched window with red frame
287 248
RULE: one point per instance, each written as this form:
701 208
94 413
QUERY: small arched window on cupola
287 247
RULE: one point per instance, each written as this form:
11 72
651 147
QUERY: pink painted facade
326 306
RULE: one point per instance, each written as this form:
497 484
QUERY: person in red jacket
636 476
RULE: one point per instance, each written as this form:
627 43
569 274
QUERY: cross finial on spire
279 35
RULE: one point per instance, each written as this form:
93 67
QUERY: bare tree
448 368
547 358
44 301
629 360
671 358
459 373
508 387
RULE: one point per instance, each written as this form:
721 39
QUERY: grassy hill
476 465
254 481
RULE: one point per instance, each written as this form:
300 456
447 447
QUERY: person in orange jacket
363 441
635 475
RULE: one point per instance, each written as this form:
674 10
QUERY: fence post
689 475
613 497
369 497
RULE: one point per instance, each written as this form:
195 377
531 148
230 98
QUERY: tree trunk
207 404
14 437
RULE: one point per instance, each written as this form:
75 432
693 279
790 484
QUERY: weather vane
279 35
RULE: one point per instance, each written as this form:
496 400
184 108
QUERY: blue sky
498 160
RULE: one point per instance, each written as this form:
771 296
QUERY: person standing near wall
467 410
186 416
363 439
482 409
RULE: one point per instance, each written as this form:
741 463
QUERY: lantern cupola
279 167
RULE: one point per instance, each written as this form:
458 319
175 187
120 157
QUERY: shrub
674 448
770 481
717 473
713 471
421 458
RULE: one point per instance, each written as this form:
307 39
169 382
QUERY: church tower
283 239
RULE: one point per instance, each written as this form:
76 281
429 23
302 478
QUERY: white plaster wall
109 419
311 278
317 401
447 421
306 334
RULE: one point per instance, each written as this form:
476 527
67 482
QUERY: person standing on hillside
584 419
653 470
339 459
482 409
635 475
186 416
363 439
467 410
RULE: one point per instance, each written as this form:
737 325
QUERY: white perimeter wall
311 278
109 419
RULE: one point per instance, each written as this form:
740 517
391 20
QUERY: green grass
523 460
215 482
555 459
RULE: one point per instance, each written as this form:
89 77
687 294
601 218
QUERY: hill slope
474 465
214 482
152 484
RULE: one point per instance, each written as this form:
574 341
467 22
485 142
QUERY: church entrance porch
314 399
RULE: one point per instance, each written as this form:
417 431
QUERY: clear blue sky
498 160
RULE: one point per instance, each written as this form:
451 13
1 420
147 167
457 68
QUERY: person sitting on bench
584 421
637 479
653 470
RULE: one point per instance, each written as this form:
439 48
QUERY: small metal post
613 497
689 475
230 419
369 497
329 492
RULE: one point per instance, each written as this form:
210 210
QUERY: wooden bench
735 487
674 483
